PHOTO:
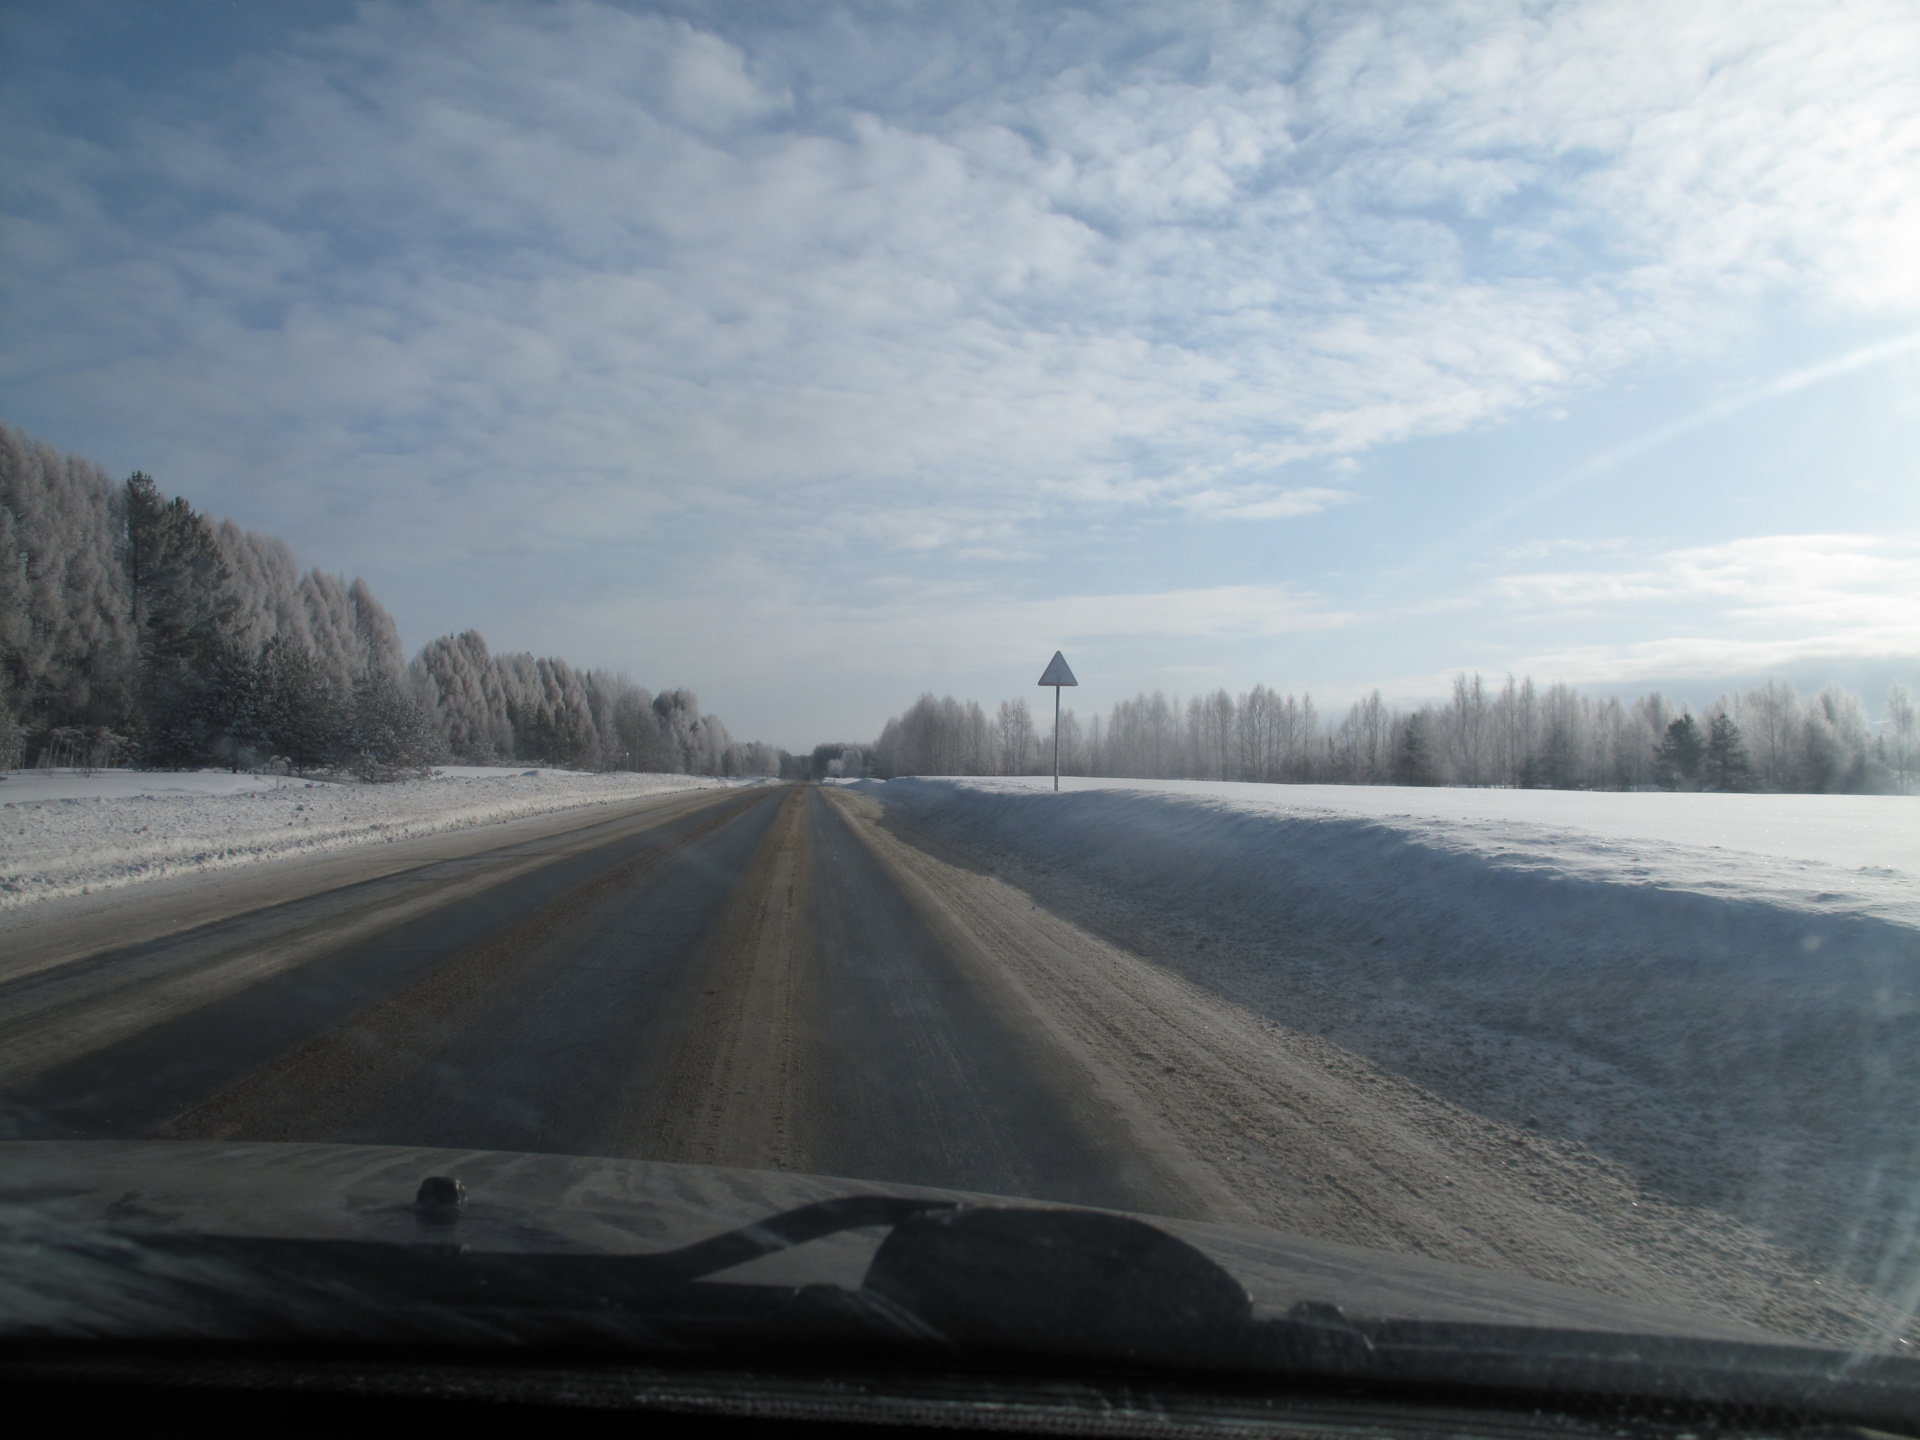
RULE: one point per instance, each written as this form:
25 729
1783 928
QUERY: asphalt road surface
728 978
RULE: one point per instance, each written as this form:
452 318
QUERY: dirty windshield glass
1298 621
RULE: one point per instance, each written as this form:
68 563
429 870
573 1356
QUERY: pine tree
1555 769
12 736
1724 764
178 580
1413 757
392 737
302 720
232 710
1676 764
143 505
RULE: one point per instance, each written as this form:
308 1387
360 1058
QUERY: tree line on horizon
1516 735
134 630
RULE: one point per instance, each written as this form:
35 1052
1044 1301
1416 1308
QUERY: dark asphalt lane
741 982
136 1087
540 1070
911 1072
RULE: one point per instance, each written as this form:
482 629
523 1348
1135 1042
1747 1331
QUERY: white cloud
1735 608
1253 505
1695 658
890 297
549 218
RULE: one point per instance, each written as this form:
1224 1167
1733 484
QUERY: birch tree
1467 722
1901 730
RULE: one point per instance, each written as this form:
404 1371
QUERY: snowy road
784 977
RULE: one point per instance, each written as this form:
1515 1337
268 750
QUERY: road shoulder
1317 1141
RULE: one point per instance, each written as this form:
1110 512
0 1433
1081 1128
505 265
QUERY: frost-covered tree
1467 722
1159 736
1217 730
1362 746
1143 738
1516 718
1413 751
66 631
1554 737
1904 749
304 721
1073 745
391 737
1770 717
1252 731
636 730
456 679
126 614
683 749
1307 766
550 712
759 758
1018 744
375 635
936 736
1564 757
491 709
1834 745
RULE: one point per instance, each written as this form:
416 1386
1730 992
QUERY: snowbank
64 832
1722 991
1827 858
1797 888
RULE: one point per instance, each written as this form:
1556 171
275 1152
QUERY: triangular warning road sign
1058 673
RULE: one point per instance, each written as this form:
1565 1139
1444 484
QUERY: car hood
579 1205
639 1262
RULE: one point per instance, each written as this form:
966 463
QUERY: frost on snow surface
62 832
1828 854
1719 992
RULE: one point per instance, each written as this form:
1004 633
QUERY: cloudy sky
814 356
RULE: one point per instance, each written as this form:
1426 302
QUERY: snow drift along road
63 832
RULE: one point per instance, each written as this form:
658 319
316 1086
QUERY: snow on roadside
1720 991
1804 893
67 832
1826 853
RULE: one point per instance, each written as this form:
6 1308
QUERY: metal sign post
1057 675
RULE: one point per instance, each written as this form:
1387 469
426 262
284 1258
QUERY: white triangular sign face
1058 673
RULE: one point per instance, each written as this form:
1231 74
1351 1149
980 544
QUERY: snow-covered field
1776 845
64 832
1721 992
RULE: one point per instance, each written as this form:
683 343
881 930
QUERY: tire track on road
1005 962
918 1069
728 1093
323 1085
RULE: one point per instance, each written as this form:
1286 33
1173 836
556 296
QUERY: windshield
1298 620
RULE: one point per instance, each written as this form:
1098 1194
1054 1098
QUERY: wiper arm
784 1231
